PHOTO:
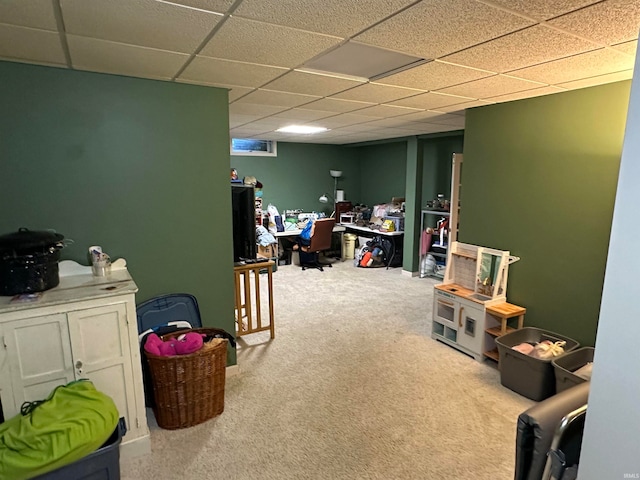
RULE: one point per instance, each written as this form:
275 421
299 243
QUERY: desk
244 301
392 236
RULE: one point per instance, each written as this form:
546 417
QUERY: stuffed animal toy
183 345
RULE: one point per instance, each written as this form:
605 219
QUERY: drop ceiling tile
268 124
630 48
219 6
258 111
386 111
431 101
304 114
258 42
536 92
397 122
599 80
145 23
279 99
373 92
426 117
514 51
609 22
434 75
543 9
461 107
344 119
585 65
236 120
448 119
31 45
310 84
211 71
33 13
433 28
490 86
122 59
248 132
337 105
235 91
332 17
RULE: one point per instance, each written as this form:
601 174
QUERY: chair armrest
537 427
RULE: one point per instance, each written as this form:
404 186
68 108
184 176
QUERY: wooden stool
244 301
503 312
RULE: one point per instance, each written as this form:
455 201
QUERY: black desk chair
320 241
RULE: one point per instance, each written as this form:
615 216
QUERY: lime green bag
72 422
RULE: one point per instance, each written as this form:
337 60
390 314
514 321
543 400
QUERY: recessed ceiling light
301 129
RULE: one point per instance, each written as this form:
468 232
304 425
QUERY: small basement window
247 146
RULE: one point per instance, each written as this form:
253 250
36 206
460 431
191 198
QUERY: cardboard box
270 251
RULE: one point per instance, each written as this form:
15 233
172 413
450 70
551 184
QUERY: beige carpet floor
352 387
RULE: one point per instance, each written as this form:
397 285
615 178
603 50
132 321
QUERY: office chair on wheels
320 241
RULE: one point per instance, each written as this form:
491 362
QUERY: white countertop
76 287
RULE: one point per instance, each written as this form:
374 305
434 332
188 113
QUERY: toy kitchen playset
470 306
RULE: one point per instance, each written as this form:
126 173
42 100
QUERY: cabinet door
471 327
101 353
38 353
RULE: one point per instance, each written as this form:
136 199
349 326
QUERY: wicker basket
189 389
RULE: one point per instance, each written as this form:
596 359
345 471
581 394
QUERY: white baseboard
407 273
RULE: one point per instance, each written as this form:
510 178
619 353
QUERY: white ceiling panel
481 50
338 106
304 114
343 120
258 111
311 84
246 132
144 22
536 92
122 59
214 71
31 45
332 17
461 107
514 51
613 21
386 111
431 101
258 42
433 28
542 9
279 99
599 80
490 86
630 48
234 93
31 13
236 120
382 93
219 6
591 64
434 75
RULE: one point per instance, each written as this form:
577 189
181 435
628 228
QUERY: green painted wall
140 167
438 153
539 179
299 175
383 168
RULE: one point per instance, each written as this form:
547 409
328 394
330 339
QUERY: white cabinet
84 328
459 323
